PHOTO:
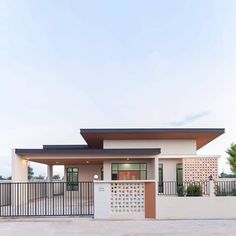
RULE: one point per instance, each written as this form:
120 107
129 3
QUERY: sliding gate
46 199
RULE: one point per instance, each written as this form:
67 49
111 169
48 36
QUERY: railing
193 188
225 188
46 199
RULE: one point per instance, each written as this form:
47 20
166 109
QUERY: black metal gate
46 199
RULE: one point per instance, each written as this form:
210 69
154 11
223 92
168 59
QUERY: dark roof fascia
152 130
65 146
90 151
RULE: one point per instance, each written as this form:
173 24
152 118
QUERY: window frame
161 182
140 169
72 185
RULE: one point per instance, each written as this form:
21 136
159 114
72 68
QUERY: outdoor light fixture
95 177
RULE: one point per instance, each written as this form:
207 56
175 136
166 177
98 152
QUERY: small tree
56 177
39 177
231 151
30 173
1 178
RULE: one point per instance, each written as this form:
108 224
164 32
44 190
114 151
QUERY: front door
129 175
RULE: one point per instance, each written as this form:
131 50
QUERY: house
126 154
123 173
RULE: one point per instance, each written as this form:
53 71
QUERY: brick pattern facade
199 169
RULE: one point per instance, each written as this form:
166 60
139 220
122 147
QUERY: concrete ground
88 226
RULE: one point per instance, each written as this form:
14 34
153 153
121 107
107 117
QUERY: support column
106 170
19 177
19 168
50 185
156 166
211 188
49 173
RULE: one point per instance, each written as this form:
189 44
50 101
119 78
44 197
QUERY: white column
102 200
156 168
49 173
106 170
19 168
211 188
50 186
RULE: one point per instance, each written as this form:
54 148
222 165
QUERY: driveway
87 226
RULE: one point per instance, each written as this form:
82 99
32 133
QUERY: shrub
194 190
233 192
180 190
220 191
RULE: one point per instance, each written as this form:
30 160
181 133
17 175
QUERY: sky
66 65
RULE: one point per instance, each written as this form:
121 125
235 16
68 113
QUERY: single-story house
122 173
127 154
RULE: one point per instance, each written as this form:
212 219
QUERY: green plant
194 190
231 151
220 192
233 192
180 190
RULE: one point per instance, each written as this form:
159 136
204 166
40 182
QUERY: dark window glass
72 179
114 176
179 178
102 174
160 178
179 173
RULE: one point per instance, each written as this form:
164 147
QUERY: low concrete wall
195 207
123 199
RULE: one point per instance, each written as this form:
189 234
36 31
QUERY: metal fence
193 188
46 199
225 188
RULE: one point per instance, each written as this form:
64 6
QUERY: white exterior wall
168 147
195 207
169 168
86 172
19 168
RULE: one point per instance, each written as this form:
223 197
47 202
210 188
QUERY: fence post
102 200
211 188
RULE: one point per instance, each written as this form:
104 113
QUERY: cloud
190 119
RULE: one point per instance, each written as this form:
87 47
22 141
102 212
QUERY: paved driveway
84 226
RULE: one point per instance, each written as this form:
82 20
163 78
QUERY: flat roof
88 151
95 137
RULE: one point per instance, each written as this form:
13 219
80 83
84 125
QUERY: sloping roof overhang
95 137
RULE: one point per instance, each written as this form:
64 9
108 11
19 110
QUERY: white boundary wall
195 207
128 197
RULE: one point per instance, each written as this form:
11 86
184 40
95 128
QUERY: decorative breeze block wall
200 169
127 197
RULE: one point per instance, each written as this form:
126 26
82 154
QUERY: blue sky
66 65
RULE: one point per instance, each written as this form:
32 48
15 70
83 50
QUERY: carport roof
68 150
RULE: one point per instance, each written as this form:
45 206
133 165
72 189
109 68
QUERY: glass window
129 171
179 178
72 179
160 178
102 173
179 173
